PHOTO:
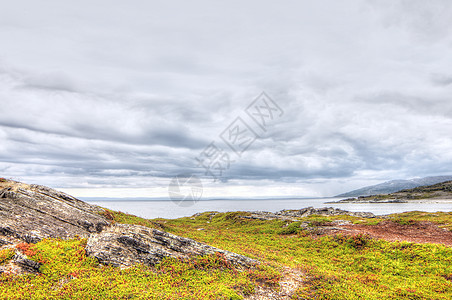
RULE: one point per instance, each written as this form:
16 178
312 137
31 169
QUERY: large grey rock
124 245
30 213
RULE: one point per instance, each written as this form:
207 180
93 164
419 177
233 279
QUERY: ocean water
170 210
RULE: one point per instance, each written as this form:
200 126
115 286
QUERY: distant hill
437 192
395 186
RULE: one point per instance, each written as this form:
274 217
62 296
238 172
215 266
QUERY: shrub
319 221
358 241
292 228
404 221
26 249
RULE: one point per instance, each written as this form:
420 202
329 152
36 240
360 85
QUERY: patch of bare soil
292 279
418 232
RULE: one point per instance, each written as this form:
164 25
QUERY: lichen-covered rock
29 213
124 245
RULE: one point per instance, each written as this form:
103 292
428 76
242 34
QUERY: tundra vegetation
333 266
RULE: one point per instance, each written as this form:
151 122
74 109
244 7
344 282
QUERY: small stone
28 264
341 222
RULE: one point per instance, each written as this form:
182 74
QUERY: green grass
335 267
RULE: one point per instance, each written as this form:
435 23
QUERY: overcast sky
113 98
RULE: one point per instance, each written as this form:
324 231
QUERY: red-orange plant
26 249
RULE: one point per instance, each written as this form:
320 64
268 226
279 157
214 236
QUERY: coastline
395 201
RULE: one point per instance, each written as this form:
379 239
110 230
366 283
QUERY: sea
168 209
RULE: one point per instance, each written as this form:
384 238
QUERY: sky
115 98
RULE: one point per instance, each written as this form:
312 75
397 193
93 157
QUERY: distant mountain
427 193
395 186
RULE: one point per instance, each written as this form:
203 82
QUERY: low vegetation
442 219
6 255
336 267
333 267
439 187
67 273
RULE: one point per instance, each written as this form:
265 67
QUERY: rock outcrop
123 245
29 213
324 211
293 215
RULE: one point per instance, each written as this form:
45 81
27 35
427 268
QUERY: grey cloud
442 79
125 94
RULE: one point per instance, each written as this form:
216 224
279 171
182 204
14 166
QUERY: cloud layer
115 94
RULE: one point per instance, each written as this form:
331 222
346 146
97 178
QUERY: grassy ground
67 273
442 219
336 267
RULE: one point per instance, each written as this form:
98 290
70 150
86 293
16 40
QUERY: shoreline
394 201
